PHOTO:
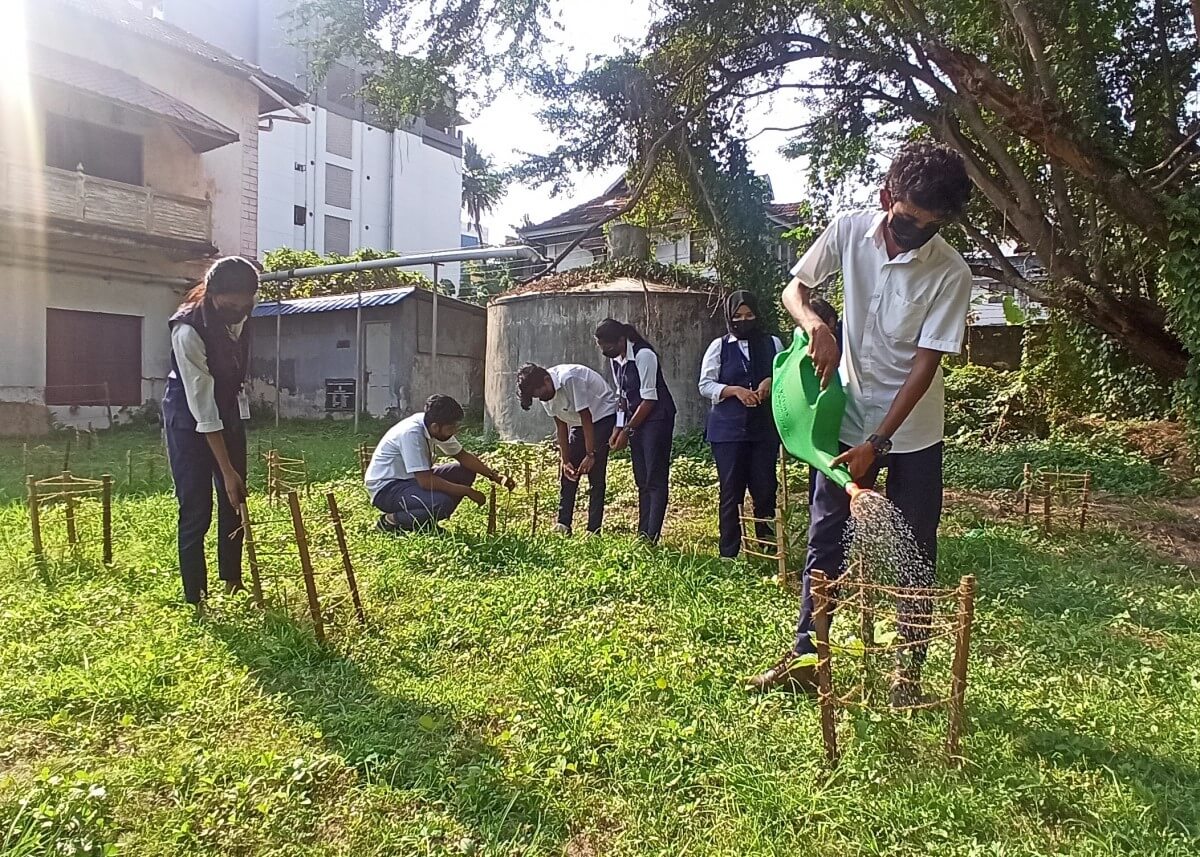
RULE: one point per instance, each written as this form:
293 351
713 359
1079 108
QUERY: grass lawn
543 696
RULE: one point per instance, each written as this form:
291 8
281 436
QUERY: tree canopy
1078 121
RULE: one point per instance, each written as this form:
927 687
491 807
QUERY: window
338 183
337 235
340 85
93 358
339 135
299 215
104 152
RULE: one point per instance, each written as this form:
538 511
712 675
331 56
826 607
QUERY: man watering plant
907 293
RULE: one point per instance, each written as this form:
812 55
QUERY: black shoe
386 526
788 673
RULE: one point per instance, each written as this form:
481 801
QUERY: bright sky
508 125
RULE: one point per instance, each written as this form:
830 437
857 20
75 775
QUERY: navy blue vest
730 421
629 387
228 361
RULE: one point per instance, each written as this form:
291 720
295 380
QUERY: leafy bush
1113 467
988 404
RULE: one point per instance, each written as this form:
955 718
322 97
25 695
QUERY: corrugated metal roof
332 303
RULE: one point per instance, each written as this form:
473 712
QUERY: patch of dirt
1169 526
590 843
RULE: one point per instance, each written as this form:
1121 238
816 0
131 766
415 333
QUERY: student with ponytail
645 418
584 411
203 412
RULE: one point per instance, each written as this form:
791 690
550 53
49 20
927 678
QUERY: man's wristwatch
882 445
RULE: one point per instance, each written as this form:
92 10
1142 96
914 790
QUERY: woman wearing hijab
735 376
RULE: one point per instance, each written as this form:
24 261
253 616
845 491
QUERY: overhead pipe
413 260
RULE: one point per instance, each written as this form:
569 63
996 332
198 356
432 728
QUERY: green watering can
809 419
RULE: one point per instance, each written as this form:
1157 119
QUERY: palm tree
483 186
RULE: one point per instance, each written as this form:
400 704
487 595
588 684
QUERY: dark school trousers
413 506
650 449
196 474
914 485
597 477
746 465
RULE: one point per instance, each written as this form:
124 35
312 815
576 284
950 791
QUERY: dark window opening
104 152
343 343
299 215
93 358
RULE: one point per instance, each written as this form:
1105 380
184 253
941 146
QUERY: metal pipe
413 260
280 100
359 384
433 363
278 338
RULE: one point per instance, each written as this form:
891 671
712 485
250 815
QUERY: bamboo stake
128 467
1026 489
742 526
72 533
1046 506
1085 498
534 522
340 531
491 523
783 476
820 594
962 645
310 583
35 519
528 475
780 548
25 458
256 590
106 511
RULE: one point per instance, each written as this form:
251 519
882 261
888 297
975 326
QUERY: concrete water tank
551 325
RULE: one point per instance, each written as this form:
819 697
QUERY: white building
128 158
339 182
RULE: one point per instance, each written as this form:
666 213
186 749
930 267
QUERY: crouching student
584 411
406 485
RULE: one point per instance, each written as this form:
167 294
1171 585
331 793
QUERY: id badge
620 419
622 411
243 405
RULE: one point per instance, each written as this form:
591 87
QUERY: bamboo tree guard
924 618
308 543
1045 484
285 475
773 549
365 451
40 493
149 459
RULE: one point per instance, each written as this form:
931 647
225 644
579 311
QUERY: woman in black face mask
203 410
735 376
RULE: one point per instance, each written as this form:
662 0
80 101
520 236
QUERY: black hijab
762 352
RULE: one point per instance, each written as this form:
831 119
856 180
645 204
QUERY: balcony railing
84 199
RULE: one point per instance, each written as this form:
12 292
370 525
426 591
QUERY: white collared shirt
405 450
893 307
191 356
578 388
710 366
646 362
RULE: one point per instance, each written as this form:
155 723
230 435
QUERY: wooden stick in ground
335 515
534 520
780 548
742 526
821 605
256 590
128 467
528 476
1026 489
783 481
962 646
310 582
72 533
1049 491
35 519
491 525
106 482
1085 497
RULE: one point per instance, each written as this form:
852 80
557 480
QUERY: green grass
539 696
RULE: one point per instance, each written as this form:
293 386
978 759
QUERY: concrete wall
558 328
309 355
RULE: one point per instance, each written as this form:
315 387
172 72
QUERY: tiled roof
202 132
600 207
128 17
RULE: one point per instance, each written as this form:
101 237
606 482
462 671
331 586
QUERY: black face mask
228 315
612 353
908 235
743 327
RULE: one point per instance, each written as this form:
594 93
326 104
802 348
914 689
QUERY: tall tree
483 186
1077 119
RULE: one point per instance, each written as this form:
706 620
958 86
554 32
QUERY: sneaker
792 672
561 529
386 526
